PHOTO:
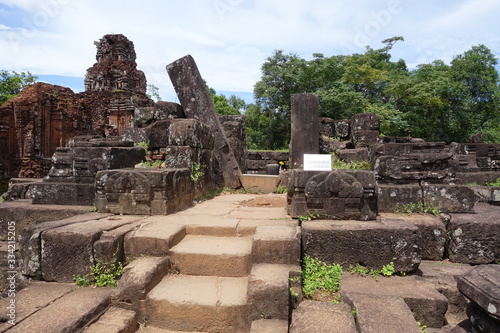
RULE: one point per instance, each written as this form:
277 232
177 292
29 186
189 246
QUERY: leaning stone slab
482 286
115 320
433 233
70 313
370 243
377 313
475 238
320 317
68 250
31 241
426 303
195 100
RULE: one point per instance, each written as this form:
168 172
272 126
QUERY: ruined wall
44 116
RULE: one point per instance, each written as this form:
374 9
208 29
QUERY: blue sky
230 39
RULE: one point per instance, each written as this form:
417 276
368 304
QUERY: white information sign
317 162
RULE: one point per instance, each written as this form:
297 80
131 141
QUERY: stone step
199 303
276 244
213 256
269 291
378 313
115 320
153 239
314 316
55 308
269 326
425 302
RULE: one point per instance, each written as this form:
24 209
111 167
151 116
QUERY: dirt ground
266 200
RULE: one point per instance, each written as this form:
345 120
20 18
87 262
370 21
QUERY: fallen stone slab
443 275
139 277
378 313
475 238
482 321
213 256
322 317
481 285
432 229
199 303
269 326
372 244
22 213
269 291
31 299
69 313
426 303
276 245
68 250
31 240
115 320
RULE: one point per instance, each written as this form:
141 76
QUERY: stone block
115 320
268 291
391 197
450 198
365 122
342 129
432 229
481 285
481 320
354 155
180 132
68 250
425 302
276 245
316 317
64 194
364 139
370 243
153 239
139 277
256 183
475 238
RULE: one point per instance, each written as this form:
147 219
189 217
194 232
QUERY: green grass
337 163
417 208
102 274
318 276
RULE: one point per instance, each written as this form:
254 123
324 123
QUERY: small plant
496 183
422 327
282 189
308 217
152 164
143 144
196 172
320 277
418 208
93 209
102 274
386 270
337 163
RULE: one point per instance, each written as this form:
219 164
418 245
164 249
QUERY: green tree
12 83
222 105
153 92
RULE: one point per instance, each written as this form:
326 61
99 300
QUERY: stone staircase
222 266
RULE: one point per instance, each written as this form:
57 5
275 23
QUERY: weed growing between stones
422 327
308 217
102 274
418 208
320 280
337 163
196 172
386 270
281 190
496 183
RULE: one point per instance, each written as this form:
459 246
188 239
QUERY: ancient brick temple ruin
87 147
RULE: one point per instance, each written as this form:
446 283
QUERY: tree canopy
436 101
11 83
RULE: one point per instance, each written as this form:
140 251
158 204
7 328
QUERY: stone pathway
222 266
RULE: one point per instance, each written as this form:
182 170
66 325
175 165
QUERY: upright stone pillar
305 128
197 104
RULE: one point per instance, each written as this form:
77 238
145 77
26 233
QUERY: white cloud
230 39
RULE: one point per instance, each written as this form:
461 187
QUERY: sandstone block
393 197
320 317
372 243
276 245
475 238
450 198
